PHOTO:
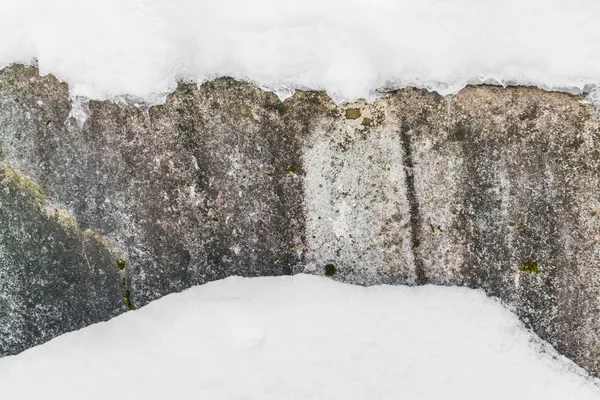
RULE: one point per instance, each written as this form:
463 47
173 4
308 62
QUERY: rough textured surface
496 189
53 276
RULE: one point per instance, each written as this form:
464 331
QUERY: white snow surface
351 48
301 337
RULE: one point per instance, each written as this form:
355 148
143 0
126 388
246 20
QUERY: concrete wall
497 188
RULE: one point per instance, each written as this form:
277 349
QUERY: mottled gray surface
54 277
496 189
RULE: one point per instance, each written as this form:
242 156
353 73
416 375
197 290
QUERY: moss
352 113
269 174
66 219
330 270
127 295
366 121
529 266
121 264
22 183
90 234
511 224
290 169
127 300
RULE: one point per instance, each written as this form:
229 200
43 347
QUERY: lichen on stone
479 167
529 266
65 219
330 270
353 113
50 259
127 300
21 183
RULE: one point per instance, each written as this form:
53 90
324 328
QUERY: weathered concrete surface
53 276
496 189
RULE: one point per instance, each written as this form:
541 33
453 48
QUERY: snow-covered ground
348 47
300 337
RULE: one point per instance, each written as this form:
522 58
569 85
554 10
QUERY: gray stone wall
54 277
496 188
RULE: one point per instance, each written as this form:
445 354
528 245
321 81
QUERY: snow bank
300 337
348 47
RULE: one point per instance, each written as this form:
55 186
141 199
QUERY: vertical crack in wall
413 204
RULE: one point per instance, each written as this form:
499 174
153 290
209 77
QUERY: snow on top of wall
300 337
350 48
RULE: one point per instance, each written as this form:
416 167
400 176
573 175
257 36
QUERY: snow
301 337
351 48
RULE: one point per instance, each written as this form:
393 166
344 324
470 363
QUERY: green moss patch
529 266
330 270
22 183
127 300
127 294
352 113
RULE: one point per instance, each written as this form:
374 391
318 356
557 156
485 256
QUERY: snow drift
349 48
297 338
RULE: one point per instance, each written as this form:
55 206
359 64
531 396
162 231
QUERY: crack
413 204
